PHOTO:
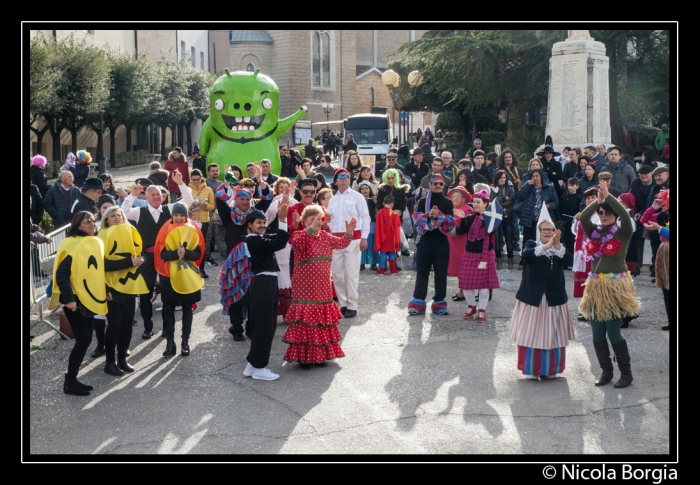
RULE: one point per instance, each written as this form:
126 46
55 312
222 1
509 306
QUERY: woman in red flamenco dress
313 335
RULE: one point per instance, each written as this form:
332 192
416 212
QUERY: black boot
112 369
170 348
98 352
602 351
185 351
622 355
71 386
124 365
84 386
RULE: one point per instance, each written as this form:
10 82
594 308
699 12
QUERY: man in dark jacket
427 155
622 174
310 150
199 161
349 144
640 188
416 169
60 198
90 194
36 211
288 164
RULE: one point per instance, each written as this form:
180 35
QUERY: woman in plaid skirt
478 268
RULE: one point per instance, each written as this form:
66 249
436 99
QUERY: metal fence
42 259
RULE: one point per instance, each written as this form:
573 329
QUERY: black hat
425 148
179 208
92 183
548 148
143 181
645 169
417 151
255 214
105 198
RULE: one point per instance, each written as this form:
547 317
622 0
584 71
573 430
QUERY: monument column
578 111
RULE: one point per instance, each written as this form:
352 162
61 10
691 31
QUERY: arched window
321 58
250 67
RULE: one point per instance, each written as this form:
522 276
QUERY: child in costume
180 244
387 237
370 255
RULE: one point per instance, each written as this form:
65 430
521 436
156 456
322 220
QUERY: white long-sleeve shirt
134 213
343 206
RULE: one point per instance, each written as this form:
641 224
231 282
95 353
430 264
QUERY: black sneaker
516 247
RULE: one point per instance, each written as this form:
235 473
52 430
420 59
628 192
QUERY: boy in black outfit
569 203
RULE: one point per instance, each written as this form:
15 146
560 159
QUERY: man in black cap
90 194
640 188
148 220
416 169
262 316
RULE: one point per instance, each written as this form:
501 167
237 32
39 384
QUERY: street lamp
327 108
402 92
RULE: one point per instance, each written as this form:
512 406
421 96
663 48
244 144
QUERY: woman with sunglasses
541 324
79 284
203 203
609 295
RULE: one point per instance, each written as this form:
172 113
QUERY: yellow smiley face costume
123 241
87 275
183 278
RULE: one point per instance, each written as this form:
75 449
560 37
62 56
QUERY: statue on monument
578 34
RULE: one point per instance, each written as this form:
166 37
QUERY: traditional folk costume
236 276
181 281
478 266
541 324
387 239
609 293
262 320
313 335
581 267
284 279
432 250
371 254
458 242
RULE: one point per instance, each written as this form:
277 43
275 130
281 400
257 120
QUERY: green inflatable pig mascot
243 124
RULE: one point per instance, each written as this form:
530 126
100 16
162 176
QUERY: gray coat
622 175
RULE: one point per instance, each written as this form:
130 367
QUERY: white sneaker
530 376
249 369
550 377
264 374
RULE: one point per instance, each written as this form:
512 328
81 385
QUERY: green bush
138 157
53 168
46 224
647 136
491 138
449 121
534 137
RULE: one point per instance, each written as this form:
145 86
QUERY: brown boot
511 263
602 351
623 362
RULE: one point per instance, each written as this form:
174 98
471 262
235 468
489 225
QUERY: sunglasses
439 184
343 176
605 213
308 191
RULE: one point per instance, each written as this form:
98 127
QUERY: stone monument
578 111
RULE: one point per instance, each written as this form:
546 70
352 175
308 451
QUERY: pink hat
462 191
337 172
39 161
483 195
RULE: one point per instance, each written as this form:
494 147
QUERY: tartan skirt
473 278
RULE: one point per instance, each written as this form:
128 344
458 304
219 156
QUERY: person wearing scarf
434 220
478 267
609 293
235 274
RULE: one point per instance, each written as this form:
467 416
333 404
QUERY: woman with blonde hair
313 335
284 280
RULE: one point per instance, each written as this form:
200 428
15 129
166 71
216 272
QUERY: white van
373 135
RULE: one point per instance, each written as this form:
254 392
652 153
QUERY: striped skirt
540 362
543 327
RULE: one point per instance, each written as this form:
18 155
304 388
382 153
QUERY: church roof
250 37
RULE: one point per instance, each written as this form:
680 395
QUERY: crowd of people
294 244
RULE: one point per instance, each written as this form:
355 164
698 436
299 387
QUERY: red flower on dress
612 247
592 246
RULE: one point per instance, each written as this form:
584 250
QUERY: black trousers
434 253
505 231
100 326
148 271
119 328
640 252
530 233
82 331
263 318
235 316
655 242
169 321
